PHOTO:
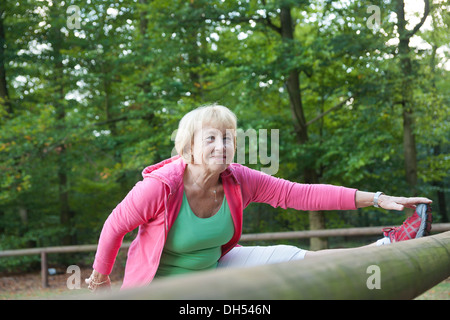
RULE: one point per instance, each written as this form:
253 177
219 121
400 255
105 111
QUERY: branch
221 86
320 116
148 117
269 22
101 123
424 17
271 25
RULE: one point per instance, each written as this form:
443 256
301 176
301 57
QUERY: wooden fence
402 270
347 232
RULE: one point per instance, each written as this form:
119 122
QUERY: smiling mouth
221 158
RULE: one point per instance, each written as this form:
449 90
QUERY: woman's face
214 147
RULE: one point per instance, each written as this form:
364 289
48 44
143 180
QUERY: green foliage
97 104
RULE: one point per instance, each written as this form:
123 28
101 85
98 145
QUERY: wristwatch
375 199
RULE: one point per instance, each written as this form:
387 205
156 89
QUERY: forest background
92 91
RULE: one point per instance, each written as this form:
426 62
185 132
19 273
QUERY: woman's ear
188 155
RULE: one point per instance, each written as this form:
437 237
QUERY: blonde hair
214 115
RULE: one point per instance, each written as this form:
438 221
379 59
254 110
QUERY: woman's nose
219 145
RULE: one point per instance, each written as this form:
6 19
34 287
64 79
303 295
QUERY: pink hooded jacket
153 205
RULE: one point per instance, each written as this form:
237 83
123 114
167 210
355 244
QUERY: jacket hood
169 171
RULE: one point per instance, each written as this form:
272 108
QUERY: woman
189 208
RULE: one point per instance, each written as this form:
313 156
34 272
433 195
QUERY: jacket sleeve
258 186
140 206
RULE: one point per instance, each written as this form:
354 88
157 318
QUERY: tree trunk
4 96
66 215
409 139
442 203
143 21
316 218
439 185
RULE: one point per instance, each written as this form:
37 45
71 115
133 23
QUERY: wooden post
44 269
402 270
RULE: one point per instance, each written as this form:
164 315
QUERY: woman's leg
416 226
259 255
256 255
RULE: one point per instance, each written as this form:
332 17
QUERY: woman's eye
213 138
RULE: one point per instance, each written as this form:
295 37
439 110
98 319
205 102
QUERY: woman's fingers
400 203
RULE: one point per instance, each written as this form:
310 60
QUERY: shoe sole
424 212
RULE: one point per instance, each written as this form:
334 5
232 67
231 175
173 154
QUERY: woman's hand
98 282
400 203
365 199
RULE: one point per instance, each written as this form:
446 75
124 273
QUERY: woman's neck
201 177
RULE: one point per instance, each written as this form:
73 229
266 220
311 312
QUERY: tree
84 110
407 100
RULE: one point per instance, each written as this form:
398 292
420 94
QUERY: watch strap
375 199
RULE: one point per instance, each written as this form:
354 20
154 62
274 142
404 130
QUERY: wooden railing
402 270
347 232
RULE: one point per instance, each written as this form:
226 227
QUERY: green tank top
193 243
